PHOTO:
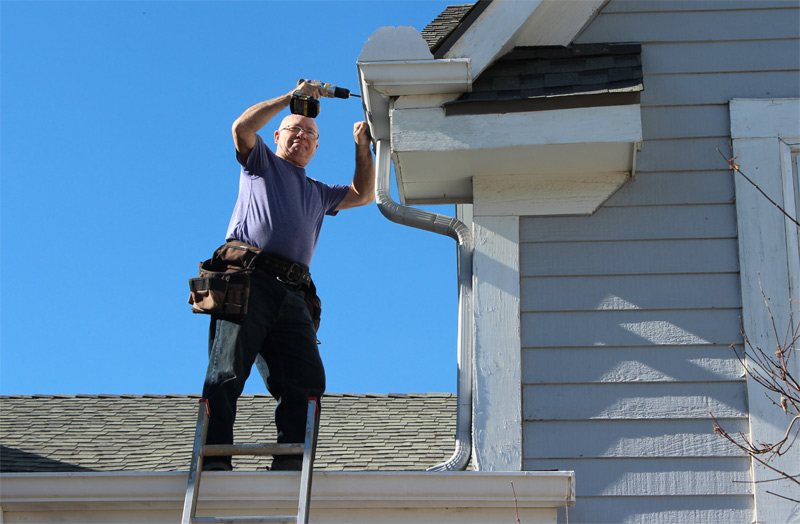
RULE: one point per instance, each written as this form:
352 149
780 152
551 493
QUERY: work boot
217 465
287 463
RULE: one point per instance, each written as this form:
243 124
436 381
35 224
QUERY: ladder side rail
310 446
196 464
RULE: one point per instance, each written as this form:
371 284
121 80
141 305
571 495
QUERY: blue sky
118 176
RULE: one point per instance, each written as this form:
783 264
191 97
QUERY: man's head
297 139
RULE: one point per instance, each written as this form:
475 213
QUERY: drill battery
302 104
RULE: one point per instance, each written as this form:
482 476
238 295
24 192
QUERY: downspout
458 231
396 62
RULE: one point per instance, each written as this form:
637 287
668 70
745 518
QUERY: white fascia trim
129 490
760 130
430 130
493 32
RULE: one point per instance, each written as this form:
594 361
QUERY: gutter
363 496
396 62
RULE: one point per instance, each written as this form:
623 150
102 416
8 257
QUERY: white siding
628 316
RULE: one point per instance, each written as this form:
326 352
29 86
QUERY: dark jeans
278 327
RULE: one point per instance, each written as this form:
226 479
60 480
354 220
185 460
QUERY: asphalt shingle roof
547 71
444 24
66 433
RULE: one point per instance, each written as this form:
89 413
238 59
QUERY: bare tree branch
772 372
735 167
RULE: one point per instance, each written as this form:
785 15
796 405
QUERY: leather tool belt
222 286
282 269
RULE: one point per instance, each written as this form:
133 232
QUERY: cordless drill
302 104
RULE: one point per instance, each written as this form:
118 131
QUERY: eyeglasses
297 130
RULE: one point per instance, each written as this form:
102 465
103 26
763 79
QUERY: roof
540 72
69 433
436 32
541 77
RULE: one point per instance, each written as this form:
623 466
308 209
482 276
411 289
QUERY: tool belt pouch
222 286
220 293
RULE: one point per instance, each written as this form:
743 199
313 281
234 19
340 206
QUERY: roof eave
397 62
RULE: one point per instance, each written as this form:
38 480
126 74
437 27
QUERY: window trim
762 131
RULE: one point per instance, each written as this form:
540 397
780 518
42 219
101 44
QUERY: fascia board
436 156
431 130
505 24
492 33
398 490
558 22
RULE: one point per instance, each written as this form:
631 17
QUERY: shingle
444 24
546 71
570 65
155 432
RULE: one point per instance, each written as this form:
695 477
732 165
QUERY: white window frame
765 135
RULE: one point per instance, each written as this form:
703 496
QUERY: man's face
297 139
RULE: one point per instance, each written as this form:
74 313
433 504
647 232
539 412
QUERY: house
607 253
585 145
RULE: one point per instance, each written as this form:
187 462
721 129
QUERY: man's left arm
362 190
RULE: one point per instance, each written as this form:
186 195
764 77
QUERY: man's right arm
255 117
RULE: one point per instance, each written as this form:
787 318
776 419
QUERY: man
280 211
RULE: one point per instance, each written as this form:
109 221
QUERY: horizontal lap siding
731 509
629 257
678 476
648 363
630 317
643 400
628 439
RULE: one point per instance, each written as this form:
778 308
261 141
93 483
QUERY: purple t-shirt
279 208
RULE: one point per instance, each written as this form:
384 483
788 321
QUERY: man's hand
255 117
309 88
362 190
361 134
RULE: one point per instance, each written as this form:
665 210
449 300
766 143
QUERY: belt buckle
290 273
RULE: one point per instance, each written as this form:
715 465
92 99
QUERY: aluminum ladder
201 449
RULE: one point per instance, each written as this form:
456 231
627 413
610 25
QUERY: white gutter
339 496
458 231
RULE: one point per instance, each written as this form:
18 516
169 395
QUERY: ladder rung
217 450
247 520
